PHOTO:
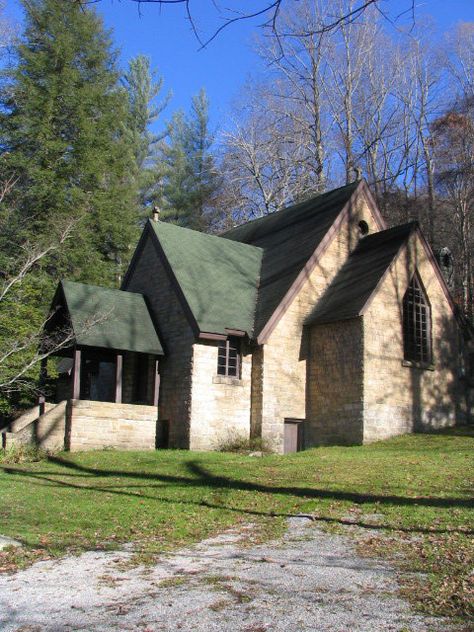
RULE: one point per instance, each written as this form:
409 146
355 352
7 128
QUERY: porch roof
110 319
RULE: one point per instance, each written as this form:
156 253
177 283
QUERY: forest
82 165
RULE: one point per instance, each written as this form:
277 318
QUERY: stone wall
400 398
286 351
256 394
151 279
220 406
96 425
46 432
336 384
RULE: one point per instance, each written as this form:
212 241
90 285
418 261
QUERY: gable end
361 192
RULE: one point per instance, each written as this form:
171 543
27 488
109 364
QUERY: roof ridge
99 287
387 233
202 234
291 207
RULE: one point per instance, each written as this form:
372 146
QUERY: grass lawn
413 490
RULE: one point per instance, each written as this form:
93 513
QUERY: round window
363 228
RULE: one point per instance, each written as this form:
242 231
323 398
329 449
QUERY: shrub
22 454
242 444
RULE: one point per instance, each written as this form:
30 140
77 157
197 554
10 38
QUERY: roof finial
358 173
155 215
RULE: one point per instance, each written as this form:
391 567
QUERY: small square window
228 358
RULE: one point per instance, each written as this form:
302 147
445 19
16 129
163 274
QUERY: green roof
218 277
288 238
358 278
110 319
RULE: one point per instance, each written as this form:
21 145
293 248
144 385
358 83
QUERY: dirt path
308 580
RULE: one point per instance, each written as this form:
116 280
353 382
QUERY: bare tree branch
271 11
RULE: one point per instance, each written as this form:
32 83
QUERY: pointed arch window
417 345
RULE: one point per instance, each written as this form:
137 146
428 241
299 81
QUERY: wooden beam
41 404
118 378
76 375
156 384
238 333
209 336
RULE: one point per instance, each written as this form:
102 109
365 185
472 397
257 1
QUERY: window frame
229 349
417 325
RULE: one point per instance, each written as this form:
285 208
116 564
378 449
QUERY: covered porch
114 349
107 375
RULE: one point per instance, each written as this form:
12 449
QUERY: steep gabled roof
289 238
244 279
217 277
110 319
359 277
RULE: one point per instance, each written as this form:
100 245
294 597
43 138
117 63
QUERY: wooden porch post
43 371
43 376
76 374
156 385
118 378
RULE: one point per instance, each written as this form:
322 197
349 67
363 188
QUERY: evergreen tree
143 88
190 180
64 128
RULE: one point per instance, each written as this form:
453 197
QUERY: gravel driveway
308 580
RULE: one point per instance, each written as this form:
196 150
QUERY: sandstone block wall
400 398
335 412
220 406
285 369
151 279
46 432
96 425
256 392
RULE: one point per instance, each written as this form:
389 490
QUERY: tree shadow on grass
200 477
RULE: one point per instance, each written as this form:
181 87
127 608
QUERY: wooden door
293 436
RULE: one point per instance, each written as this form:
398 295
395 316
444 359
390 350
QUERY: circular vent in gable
363 228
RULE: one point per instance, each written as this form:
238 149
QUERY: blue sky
165 35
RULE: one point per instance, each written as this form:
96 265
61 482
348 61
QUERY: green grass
418 485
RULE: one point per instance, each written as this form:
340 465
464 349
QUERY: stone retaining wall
96 425
46 432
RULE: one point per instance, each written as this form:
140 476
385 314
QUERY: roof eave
174 281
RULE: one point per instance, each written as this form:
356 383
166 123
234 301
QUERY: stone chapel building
313 325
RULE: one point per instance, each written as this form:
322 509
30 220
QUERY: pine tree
64 128
143 88
190 179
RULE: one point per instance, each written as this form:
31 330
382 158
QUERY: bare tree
28 344
297 64
269 12
259 166
453 143
27 335
459 58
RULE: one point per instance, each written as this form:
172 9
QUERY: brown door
293 436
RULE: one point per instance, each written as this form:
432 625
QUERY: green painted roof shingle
110 319
358 278
218 277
